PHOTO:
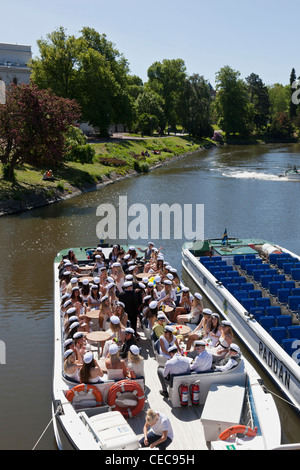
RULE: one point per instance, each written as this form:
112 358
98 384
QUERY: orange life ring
126 386
85 388
239 429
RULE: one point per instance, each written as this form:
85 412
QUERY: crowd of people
123 296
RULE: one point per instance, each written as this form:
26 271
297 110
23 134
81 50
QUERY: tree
259 100
293 106
33 123
89 69
231 102
195 106
279 98
281 127
167 78
150 104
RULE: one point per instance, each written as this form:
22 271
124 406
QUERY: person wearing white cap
231 359
94 297
90 371
185 303
168 295
120 312
203 360
167 340
117 333
129 341
64 281
71 365
135 363
195 313
85 290
118 275
176 364
147 251
215 330
114 255
202 329
116 367
225 340
105 312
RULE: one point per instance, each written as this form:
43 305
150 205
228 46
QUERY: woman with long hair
196 311
135 363
71 365
116 367
90 371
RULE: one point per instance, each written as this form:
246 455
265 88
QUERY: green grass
118 157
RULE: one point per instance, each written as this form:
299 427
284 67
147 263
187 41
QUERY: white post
2 92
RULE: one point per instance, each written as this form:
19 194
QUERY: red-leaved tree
33 123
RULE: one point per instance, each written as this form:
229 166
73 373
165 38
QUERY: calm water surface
240 190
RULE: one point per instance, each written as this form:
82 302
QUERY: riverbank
115 160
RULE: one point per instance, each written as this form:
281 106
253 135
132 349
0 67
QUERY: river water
240 190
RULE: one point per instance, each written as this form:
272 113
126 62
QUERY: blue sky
258 36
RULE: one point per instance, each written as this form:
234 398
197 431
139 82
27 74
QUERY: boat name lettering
274 364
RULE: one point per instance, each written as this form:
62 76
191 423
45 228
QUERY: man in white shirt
231 359
203 360
177 364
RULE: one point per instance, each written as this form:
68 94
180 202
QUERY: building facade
14 59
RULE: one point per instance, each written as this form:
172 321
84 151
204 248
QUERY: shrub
81 153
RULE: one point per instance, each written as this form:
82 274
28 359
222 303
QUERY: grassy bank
114 159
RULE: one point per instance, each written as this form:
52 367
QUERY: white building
14 60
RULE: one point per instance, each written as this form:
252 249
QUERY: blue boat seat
294 303
265 281
257 273
294 331
237 259
287 267
296 291
250 256
267 322
244 263
288 285
247 286
279 277
273 310
250 268
295 273
255 294
241 294
284 320
257 312
273 287
240 280
281 261
233 287
270 272
263 302
278 333
283 295
248 304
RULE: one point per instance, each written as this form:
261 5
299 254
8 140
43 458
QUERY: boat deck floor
186 424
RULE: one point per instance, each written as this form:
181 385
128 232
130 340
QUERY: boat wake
257 175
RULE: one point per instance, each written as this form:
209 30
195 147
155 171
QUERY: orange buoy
126 386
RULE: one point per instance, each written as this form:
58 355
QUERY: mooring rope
59 409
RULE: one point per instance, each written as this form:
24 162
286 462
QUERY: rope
59 409
278 396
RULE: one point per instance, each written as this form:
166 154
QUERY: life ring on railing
239 429
85 388
126 386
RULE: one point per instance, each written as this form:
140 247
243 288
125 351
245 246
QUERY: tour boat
228 410
254 284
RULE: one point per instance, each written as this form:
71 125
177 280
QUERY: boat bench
111 430
236 376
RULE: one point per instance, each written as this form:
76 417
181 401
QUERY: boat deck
186 424
187 427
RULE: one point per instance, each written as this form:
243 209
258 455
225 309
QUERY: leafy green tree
195 106
279 98
89 69
281 127
293 106
33 124
231 102
149 103
57 67
259 100
167 78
